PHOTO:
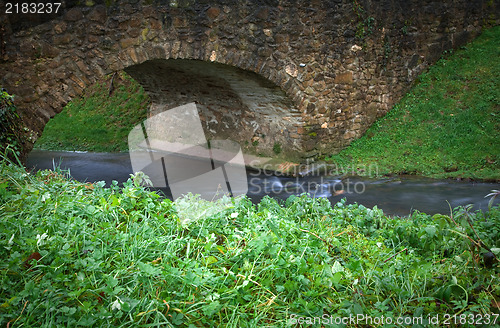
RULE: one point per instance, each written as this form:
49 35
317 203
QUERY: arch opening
233 104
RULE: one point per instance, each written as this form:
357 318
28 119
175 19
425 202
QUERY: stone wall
342 63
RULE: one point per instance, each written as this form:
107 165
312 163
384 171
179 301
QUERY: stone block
129 42
73 15
155 24
311 107
265 52
178 22
98 14
349 135
63 39
135 21
344 78
96 29
158 52
262 13
309 91
134 32
213 13
319 86
82 66
322 108
77 81
60 27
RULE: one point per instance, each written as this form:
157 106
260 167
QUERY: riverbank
447 126
80 254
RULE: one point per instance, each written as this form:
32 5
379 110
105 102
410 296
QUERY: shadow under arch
233 103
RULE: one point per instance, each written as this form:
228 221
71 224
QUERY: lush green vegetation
448 125
11 132
77 254
98 121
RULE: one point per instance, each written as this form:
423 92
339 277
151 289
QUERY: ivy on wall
366 24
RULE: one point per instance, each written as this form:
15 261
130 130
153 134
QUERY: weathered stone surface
344 78
73 15
63 39
125 43
213 12
60 27
340 72
98 14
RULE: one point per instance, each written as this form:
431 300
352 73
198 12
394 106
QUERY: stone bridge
301 77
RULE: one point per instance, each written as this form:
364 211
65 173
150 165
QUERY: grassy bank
77 254
99 120
448 125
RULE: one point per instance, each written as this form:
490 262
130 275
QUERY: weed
366 24
277 148
10 125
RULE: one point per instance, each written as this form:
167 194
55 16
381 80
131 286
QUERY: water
396 196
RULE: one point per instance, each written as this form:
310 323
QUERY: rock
489 259
73 15
344 78
125 43
98 14
213 13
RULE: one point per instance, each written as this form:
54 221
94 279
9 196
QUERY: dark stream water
396 196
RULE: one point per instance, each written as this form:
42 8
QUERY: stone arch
340 80
134 55
69 68
82 70
234 104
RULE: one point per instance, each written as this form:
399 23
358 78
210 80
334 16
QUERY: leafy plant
365 24
494 194
10 125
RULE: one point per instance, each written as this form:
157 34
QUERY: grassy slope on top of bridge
447 126
98 121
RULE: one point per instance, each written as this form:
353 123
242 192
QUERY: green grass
97 121
448 125
77 254
11 131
